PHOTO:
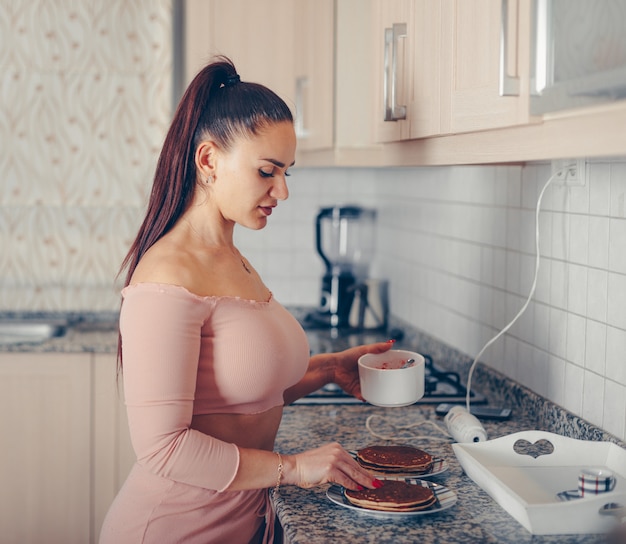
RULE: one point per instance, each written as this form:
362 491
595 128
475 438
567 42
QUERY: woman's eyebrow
278 163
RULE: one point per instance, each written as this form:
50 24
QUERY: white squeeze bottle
463 426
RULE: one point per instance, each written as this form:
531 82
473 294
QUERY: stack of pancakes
393 496
395 459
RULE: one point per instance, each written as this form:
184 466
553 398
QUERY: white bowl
384 383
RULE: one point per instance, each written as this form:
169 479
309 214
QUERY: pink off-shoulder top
186 355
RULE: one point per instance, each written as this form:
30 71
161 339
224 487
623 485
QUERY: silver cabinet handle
393 111
509 85
543 74
301 130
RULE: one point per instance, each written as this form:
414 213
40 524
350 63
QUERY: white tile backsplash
576 335
616 303
556 379
593 397
600 189
597 294
614 413
616 355
579 239
598 254
573 388
458 245
595 347
617 248
617 190
577 289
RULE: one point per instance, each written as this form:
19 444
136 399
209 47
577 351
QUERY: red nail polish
377 483
392 341
360 487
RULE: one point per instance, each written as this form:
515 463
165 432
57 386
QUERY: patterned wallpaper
85 100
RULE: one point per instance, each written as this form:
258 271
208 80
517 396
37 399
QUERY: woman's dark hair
216 106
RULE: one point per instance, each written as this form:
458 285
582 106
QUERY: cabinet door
488 75
354 74
393 37
427 93
45 457
314 70
257 36
113 455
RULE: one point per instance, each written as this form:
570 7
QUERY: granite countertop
308 516
94 332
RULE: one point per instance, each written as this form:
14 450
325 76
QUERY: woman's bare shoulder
165 262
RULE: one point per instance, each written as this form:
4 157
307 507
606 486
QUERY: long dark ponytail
216 105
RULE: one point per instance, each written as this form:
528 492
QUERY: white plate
439 465
445 499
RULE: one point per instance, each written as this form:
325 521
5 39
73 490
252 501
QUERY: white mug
384 383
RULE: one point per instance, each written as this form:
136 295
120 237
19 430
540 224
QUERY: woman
209 356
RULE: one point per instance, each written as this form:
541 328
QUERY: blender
345 241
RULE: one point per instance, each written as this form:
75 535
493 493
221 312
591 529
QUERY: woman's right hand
327 464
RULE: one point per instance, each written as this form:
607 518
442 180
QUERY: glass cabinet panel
579 55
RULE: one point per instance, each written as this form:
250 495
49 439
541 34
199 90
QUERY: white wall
458 246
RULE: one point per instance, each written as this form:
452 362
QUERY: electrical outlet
570 172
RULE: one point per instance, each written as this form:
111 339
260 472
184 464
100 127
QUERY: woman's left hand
346 371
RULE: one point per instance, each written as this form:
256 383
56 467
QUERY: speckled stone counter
82 332
309 517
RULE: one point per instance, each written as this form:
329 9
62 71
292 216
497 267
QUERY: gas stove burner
435 380
439 386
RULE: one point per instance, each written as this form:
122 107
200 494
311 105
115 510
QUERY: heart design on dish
533 449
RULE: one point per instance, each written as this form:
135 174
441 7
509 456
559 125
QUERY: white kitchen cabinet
353 79
469 91
314 74
428 97
485 62
315 53
257 36
407 53
113 455
66 446
45 457
453 59
286 45
440 69
393 37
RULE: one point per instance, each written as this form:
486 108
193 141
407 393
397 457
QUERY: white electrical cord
530 295
404 429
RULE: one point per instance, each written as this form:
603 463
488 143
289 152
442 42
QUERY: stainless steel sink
15 331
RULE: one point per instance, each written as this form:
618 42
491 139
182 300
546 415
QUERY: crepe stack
394 459
393 496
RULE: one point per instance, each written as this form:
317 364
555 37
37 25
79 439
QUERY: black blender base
319 320
322 320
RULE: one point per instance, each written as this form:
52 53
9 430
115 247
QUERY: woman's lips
267 210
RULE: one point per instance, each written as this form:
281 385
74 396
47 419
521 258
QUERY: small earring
209 179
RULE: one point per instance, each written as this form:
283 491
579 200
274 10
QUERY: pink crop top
186 355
